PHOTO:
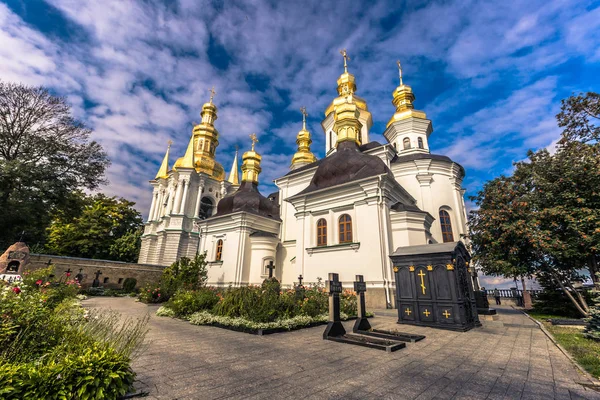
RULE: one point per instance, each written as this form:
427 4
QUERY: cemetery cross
334 325
271 267
360 287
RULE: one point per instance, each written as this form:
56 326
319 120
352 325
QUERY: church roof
347 164
426 249
364 147
406 207
248 199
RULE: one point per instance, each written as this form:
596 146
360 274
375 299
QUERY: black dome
347 164
248 199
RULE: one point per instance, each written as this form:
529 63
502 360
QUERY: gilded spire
303 156
205 139
163 171
234 177
188 159
251 163
346 88
403 100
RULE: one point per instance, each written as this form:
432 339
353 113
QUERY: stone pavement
508 360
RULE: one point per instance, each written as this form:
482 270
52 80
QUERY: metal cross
407 311
254 140
98 273
422 275
400 71
68 272
304 115
346 59
446 314
300 277
212 94
170 142
271 267
426 312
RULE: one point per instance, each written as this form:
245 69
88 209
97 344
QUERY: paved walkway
512 360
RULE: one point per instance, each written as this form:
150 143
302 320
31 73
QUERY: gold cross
446 314
346 59
422 275
170 142
304 115
400 71
254 140
212 94
407 311
426 312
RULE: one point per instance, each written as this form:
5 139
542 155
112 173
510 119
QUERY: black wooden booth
433 286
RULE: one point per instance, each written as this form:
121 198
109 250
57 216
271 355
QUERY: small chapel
345 213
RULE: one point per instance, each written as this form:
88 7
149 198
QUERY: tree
545 219
579 115
45 154
107 228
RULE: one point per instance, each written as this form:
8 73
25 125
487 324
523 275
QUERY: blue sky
490 75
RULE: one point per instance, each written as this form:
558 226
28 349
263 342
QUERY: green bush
185 273
187 302
97 372
555 302
129 284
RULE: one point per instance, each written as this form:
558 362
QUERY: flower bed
50 347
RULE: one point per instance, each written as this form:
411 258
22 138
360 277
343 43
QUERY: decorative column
223 189
160 206
200 190
177 203
171 198
153 205
186 183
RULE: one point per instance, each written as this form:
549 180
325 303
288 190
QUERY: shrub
184 273
555 302
186 302
164 311
129 284
97 372
348 302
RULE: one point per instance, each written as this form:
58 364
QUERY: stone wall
113 274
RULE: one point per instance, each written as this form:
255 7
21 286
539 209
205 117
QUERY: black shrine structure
433 286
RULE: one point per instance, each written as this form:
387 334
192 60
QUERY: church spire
234 177
163 171
303 156
251 163
204 142
403 99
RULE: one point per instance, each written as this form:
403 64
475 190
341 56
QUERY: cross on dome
400 71
254 140
304 115
212 94
344 54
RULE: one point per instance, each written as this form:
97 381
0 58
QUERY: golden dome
346 89
303 140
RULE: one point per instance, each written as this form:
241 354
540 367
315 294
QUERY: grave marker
270 267
360 287
96 281
334 325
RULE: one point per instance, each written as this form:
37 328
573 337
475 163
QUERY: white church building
345 213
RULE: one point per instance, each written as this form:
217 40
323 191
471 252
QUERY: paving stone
183 361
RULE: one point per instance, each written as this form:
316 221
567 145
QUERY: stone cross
96 282
334 325
270 267
360 287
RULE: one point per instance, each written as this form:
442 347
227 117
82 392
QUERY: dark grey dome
347 164
248 199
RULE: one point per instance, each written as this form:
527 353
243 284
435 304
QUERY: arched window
206 208
345 226
420 142
446 225
321 232
219 250
406 143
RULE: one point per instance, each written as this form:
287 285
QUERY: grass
585 351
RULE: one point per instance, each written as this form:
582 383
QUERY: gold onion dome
251 163
403 99
303 156
346 89
202 147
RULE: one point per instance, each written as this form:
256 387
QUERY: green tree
45 154
545 218
107 228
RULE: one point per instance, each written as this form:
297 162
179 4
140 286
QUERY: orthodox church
345 213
